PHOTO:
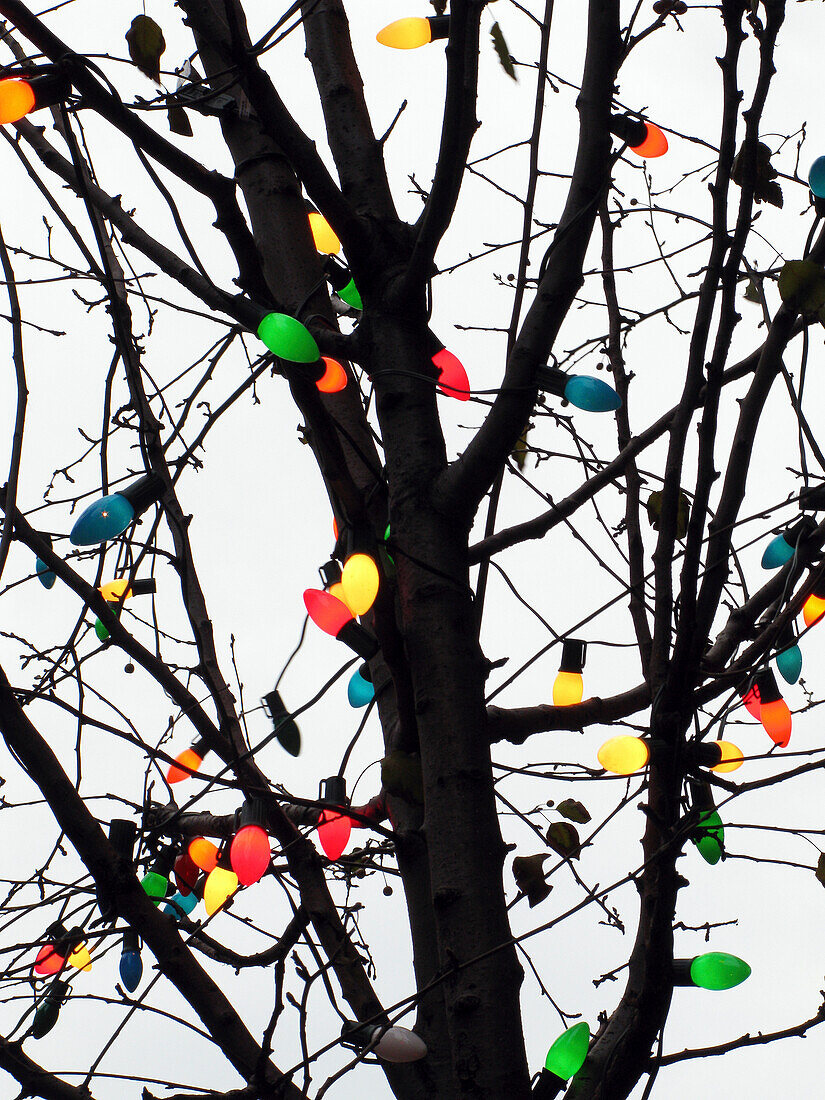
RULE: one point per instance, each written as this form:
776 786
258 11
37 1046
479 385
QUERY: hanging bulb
44 574
51 958
714 970
334 827
221 884
249 852
286 731
360 690
708 834
335 618
111 515
816 177
568 687
719 756
789 663
16 100
288 338
751 700
131 964
589 394
641 137
181 904
186 873
452 377
48 1008
360 580
191 758
653 145
79 956
624 755
323 235
783 546
773 713
396 1044
203 853
814 607
564 1060
334 378
340 279
414 31
156 880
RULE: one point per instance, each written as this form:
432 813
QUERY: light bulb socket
56 933
766 685
274 705
147 490
632 131
338 275
223 860
122 833
252 812
310 207
547 1086
439 26
131 940
164 861
434 345
680 973
146 586
787 638
364 672
552 379
818 589
706 754
701 796
50 84
359 639
573 655
334 790
330 573
812 499
200 747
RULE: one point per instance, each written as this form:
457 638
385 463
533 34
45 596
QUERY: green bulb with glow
714 970
709 836
567 1054
350 295
287 338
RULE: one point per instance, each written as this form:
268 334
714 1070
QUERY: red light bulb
452 379
249 854
334 378
333 833
186 873
190 759
752 702
654 144
327 612
48 961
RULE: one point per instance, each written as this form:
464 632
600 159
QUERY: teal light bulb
104 519
709 836
179 904
789 663
716 970
816 177
567 1054
777 552
360 692
44 574
591 394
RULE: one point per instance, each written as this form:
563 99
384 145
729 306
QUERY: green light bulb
350 295
566 1056
48 1009
709 836
288 338
716 970
155 885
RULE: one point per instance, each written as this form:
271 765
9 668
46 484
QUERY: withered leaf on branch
654 512
763 176
503 52
146 45
573 811
820 868
179 120
529 875
564 839
401 776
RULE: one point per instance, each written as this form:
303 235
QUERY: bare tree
667 541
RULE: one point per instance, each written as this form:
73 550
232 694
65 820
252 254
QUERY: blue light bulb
777 552
359 691
104 519
44 574
789 663
178 902
591 394
131 969
816 177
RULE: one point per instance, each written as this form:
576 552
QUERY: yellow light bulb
624 755
406 34
360 580
221 884
568 688
323 234
731 757
80 958
813 609
112 591
337 590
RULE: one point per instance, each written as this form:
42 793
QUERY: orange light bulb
813 609
776 719
16 100
334 378
189 759
203 853
654 144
